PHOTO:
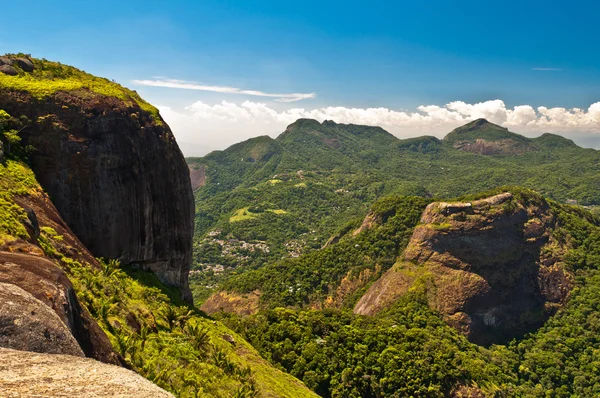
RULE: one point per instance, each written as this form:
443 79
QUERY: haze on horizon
222 72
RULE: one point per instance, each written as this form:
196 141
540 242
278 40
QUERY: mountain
485 138
493 267
88 170
266 199
94 147
348 281
493 294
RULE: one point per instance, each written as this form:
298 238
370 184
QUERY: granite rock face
116 176
56 301
490 267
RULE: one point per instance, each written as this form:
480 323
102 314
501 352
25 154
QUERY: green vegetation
409 351
248 213
170 343
331 173
313 278
15 179
49 77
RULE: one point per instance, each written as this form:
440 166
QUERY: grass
242 214
50 77
246 214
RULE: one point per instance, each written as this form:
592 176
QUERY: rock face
27 324
115 174
490 267
28 374
197 175
51 290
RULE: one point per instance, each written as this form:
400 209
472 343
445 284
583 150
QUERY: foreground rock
28 324
27 374
51 290
490 267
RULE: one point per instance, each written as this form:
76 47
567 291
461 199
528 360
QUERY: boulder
28 374
28 324
6 61
25 64
48 284
8 70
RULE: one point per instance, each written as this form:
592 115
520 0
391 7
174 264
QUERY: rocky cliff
109 163
111 169
491 267
485 138
40 310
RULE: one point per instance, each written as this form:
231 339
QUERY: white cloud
548 69
221 125
182 84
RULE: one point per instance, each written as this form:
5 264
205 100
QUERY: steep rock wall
115 174
490 267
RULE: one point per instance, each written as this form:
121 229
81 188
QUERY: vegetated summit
264 198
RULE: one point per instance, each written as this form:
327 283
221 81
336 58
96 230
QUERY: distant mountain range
290 194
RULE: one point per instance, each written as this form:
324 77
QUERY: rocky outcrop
197 175
28 374
499 147
490 267
51 289
115 174
485 138
27 324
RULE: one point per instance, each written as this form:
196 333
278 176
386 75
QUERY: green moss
440 226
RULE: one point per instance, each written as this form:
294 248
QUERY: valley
335 260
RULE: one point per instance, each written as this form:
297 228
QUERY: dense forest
408 349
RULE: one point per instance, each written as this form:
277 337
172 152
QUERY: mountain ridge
323 176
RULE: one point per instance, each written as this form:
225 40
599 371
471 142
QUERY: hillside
456 283
88 170
264 199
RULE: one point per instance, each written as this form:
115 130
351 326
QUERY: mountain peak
302 122
486 138
476 128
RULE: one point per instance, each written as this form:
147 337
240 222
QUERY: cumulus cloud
220 125
182 84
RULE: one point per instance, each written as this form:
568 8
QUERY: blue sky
352 55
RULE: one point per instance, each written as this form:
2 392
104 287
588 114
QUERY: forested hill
264 198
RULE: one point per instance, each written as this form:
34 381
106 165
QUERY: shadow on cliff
149 279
